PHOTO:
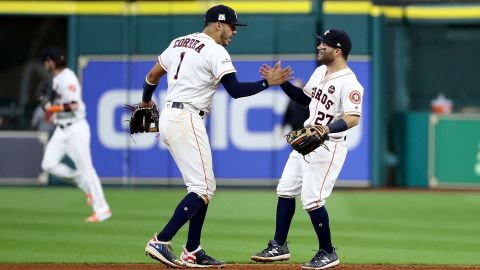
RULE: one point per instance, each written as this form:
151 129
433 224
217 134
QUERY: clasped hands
276 75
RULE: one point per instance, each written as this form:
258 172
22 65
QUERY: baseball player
195 64
334 97
72 135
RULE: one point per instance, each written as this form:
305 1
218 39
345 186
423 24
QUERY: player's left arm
346 122
238 89
352 98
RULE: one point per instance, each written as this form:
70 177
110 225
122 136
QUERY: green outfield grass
46 225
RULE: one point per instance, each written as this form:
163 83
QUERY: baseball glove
307 139
143 119
45 93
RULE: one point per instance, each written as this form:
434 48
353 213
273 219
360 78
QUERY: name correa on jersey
190 43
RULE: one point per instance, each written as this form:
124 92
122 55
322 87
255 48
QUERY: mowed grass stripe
368 226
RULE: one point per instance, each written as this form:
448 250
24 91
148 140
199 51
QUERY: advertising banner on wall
246 135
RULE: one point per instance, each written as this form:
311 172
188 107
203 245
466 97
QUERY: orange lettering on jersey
72 88
355 97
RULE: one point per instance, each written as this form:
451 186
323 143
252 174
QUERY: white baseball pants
184 133
74 141
314 175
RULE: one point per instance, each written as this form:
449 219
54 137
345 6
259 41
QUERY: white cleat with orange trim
96 217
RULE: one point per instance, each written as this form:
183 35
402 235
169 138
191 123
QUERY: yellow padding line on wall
450 12
440 12
347 7
150 7
361 8
63 7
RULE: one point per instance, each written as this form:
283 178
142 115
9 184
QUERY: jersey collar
339 73
202 35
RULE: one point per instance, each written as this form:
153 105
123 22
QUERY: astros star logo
355 97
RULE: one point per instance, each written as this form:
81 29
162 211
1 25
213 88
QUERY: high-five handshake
276 75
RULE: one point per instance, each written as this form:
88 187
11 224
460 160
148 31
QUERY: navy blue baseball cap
53 53
222 13
337 39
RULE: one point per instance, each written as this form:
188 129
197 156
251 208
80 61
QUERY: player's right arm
150 84
295 93
153 77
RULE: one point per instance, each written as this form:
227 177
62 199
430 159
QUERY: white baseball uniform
195 64
314 175
72 137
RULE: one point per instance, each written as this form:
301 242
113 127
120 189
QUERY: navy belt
179 105
339 139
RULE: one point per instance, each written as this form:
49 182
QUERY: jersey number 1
179 64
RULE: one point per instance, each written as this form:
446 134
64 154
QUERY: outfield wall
246 137
415 52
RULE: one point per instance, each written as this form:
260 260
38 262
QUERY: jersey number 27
322 116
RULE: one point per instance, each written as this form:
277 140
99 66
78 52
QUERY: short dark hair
56 55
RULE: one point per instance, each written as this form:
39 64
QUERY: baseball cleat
272 253
99 217
322 260
199 259
163 252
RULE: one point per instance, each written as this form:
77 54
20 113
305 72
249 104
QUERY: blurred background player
196 64
72 134
334 97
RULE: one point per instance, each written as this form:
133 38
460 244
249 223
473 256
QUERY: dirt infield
227 267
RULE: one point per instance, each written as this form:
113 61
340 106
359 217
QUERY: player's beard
224 38
326 58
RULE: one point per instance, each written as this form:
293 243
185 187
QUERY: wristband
337 126
148 90
55 108
266 83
